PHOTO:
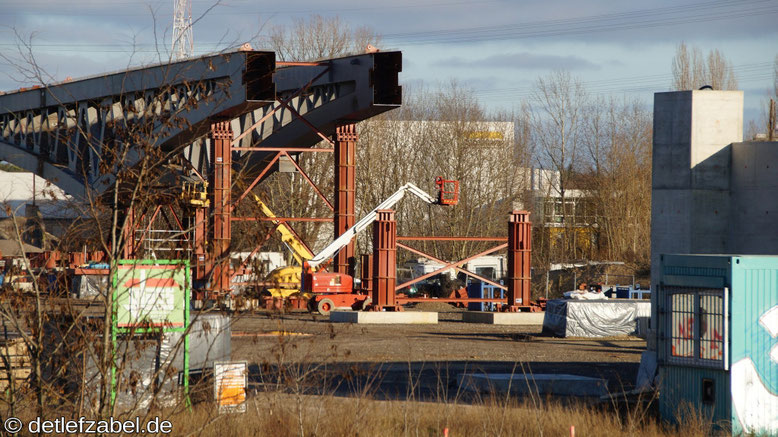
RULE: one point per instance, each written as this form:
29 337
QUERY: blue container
717 346
622 292
482 290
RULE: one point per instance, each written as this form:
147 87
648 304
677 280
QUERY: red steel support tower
366 272
202 262
384 260
128 251
345 186
519 252
221 182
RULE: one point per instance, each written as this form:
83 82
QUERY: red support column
200 244
221 183
128 251
345 186
384 261
366 273
519 252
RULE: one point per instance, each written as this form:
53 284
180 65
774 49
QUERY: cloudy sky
496 47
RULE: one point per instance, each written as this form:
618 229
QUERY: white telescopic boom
369 218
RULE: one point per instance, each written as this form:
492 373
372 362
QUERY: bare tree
619 178
686 68
691 70
319 37
556 116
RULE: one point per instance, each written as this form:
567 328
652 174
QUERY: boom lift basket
448 191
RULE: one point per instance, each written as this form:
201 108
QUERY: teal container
717 344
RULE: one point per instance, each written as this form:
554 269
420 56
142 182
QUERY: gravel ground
401 353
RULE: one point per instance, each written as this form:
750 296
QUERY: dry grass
280 415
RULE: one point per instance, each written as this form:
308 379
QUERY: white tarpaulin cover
595 318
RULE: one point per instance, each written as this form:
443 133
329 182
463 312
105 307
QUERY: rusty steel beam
258 123
178 222
282 219
496 239
404 300
384 260
285 149
454 265
345 187
148 228
258 178
519 253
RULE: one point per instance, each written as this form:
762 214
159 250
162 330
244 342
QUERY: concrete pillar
690 203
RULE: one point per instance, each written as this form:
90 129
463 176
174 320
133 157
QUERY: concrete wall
690 204
753 227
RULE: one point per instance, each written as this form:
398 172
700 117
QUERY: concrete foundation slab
494 318
384 317
543 384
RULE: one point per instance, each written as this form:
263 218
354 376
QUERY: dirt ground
427 357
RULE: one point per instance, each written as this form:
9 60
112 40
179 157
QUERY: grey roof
10 248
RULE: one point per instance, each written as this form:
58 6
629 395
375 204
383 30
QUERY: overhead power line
722 10
746 73
648 18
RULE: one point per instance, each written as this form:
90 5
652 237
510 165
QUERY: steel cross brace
287 149
310 182
455 265
148 228
282 219
299 169
258 178
253 252
178 222
496 239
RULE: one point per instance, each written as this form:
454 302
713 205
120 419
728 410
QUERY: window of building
695 326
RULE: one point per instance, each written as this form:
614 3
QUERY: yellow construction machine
285 280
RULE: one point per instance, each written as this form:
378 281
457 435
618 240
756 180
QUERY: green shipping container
717 347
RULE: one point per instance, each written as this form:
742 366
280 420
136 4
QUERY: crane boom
365 221
300 251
